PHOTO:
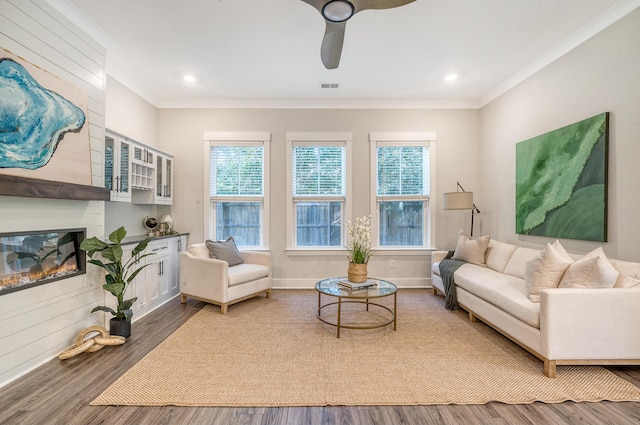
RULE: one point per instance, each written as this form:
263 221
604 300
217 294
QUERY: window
401 174
317 189
236 191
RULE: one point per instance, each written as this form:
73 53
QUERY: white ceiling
267 52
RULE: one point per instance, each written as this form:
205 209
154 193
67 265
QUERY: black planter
120 327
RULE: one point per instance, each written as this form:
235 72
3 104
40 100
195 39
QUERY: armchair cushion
242 273
225 250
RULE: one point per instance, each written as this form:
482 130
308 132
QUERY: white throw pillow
594 270
498 255
546 271
471 250
625 281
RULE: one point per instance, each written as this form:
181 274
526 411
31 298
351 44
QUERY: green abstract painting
561 182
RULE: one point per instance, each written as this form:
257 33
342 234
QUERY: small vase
357 272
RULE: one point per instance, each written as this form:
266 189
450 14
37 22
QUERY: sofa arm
255 257
437 256
203 277
578 323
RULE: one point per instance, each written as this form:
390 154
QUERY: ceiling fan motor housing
338 10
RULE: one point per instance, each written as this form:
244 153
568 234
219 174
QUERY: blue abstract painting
33 119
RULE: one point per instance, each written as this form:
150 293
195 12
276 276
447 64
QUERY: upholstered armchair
215 282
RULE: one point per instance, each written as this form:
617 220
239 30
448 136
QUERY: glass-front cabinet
117 167
136 173
164 179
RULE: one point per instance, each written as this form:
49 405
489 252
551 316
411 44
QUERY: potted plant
118 276
359 248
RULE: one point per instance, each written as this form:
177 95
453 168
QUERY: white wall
598 76
457 159
37 323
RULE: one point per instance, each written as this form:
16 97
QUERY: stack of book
353 285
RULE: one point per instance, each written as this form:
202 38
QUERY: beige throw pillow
471 250
546 271
498 255
594 270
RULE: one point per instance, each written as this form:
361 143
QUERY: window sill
302 252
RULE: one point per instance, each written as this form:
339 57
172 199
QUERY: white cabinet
157 272
164 179
142 169
136 173
176 246
117 167
158 282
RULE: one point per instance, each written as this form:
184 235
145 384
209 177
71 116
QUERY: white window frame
263 139
429 218
316 139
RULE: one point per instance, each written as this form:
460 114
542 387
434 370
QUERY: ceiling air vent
329 85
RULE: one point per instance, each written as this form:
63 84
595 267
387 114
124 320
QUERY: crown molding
604 20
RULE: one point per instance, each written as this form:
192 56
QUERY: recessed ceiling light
189 78
451 77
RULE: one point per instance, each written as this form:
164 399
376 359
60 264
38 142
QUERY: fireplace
29 259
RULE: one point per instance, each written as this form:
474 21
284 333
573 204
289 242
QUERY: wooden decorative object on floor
92 344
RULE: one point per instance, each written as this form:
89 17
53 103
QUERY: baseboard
403 283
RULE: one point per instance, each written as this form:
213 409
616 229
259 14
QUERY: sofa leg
472 317
224 308
183 298
550 368
269 293
435 291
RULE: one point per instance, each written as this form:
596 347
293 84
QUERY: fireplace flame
37 273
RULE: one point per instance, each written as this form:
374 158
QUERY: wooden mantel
36 188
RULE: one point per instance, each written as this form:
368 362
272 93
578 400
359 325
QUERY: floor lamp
460 200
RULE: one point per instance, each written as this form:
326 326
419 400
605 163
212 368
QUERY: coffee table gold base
340 325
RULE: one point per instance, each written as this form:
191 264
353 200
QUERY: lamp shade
457 200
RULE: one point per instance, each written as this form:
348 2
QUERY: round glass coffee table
379 289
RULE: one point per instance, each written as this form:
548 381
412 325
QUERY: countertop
137 238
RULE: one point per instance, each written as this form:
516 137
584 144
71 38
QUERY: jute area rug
275 352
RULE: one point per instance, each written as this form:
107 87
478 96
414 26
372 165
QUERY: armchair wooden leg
269 293
224 308
183 298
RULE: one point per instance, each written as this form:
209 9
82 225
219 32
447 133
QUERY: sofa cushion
245 272
471 250
518 261
504 291
594 270
225 250
498 255
546 270
629 273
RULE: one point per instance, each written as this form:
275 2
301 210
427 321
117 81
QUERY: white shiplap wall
37 323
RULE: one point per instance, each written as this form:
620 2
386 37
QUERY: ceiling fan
336 13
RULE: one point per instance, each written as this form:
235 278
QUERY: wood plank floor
59 392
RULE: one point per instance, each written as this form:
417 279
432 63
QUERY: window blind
237 171
402 171
318 171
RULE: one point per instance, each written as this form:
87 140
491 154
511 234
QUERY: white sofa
213 281
569 326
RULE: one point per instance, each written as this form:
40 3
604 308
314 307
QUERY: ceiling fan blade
317 4
360 5
332 44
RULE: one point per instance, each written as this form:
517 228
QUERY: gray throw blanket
447 268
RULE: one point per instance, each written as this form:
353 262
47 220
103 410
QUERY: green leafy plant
359 248
119 275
